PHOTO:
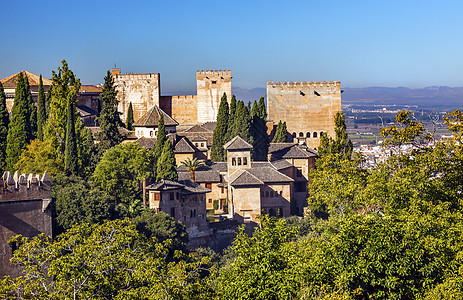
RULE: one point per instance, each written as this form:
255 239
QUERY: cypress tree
17 138
340 144
166 168
231 119
220 131
4 121
64 89
70 152
280 133
130 117
109 119
242 123
161 139
41 111
259 131
31 113
47 102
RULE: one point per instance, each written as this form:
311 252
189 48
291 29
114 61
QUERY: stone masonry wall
306 107
210 86
143 90
24 209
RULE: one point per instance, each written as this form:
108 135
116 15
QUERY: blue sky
360 43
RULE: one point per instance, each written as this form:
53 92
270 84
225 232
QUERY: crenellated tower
143 90
307 107
210 86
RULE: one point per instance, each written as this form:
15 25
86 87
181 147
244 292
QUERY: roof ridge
149 116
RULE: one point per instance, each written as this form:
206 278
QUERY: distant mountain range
433 96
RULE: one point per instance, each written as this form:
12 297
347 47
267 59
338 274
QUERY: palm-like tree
192 164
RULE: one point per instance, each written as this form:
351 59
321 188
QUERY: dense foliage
109 119
220 131
4 122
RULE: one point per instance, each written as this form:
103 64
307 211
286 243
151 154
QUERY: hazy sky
360 43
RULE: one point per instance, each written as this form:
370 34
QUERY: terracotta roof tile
90 89
12 81
185 146
152 116
244 177
237 143
146 142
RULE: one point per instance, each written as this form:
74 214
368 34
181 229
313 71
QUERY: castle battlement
304 84
137 76
20 187
213 73
183 97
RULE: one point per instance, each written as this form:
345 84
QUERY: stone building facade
184 201
144 91
24 209
308 108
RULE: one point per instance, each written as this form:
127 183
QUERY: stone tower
210 86
143 90
308 108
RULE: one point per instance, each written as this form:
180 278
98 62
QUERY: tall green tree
161 139
18 137
32 112
70 153
64 89
259 131
41 110
231 119
220 131
242 122
4 122
166 168
130 120
76 202
280 133
121 169
109 119
341 143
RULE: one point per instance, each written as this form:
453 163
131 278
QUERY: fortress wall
184 109
143 90
305 107
210 86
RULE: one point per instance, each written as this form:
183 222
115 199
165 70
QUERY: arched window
202 145
308 135
233 161
294 135
281 193
315 134
151 133
321 133
301 134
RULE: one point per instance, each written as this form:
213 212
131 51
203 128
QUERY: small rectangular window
239 161
208 185
172 212
171 196
214 81
157 197
245 161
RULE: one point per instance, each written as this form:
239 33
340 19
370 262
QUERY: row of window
301 134
197 145
239 161
271 194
